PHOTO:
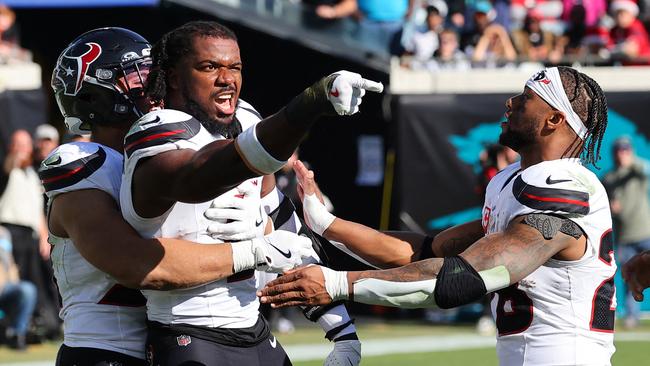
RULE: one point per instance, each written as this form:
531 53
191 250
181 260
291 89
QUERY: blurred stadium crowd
459 34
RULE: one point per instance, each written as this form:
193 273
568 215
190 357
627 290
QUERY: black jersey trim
550 199
73 172
160 135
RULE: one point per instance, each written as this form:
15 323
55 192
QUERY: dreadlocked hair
588 101
172 47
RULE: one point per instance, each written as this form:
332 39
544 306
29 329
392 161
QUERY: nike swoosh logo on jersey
334 93
258 223
550 181
273 342
151 122
286 255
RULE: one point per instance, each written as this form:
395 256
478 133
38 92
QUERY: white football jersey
563 312
97 311
227 303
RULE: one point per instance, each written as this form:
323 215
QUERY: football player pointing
177 165
547 249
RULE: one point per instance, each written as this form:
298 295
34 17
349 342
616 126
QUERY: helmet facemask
127 79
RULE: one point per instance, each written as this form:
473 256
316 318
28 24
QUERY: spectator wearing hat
487 43
46 139
627 188
481 15
628 38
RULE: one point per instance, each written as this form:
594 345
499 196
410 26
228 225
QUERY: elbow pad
458 283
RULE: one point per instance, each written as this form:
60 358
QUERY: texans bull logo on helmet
71 69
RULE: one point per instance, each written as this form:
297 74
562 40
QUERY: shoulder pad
246 114
554 186
68 164
160 127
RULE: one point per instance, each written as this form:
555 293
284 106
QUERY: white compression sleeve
417 294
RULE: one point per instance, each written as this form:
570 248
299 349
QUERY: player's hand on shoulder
345 352
237 214
345 89
283 250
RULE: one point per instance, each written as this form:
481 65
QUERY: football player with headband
97 256
543 247
203 154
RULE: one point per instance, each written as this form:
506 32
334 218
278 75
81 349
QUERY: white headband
548 85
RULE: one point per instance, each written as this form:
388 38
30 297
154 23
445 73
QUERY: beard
515 139
214 126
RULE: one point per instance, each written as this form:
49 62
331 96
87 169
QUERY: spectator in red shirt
628 38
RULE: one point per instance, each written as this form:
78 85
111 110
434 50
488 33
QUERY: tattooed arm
522 249
455 240
515 253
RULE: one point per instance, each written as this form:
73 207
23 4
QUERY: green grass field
629 353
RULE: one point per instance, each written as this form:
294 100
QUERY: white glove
237 215
316 215
275 252
345 353
347 89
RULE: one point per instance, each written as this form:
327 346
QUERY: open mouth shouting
225 102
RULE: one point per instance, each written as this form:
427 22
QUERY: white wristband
254 154
336 283
243 257
319 218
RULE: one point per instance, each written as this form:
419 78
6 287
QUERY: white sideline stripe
378 347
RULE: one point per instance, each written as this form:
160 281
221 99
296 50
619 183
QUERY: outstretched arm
384 250
194 176
494 262
387 249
